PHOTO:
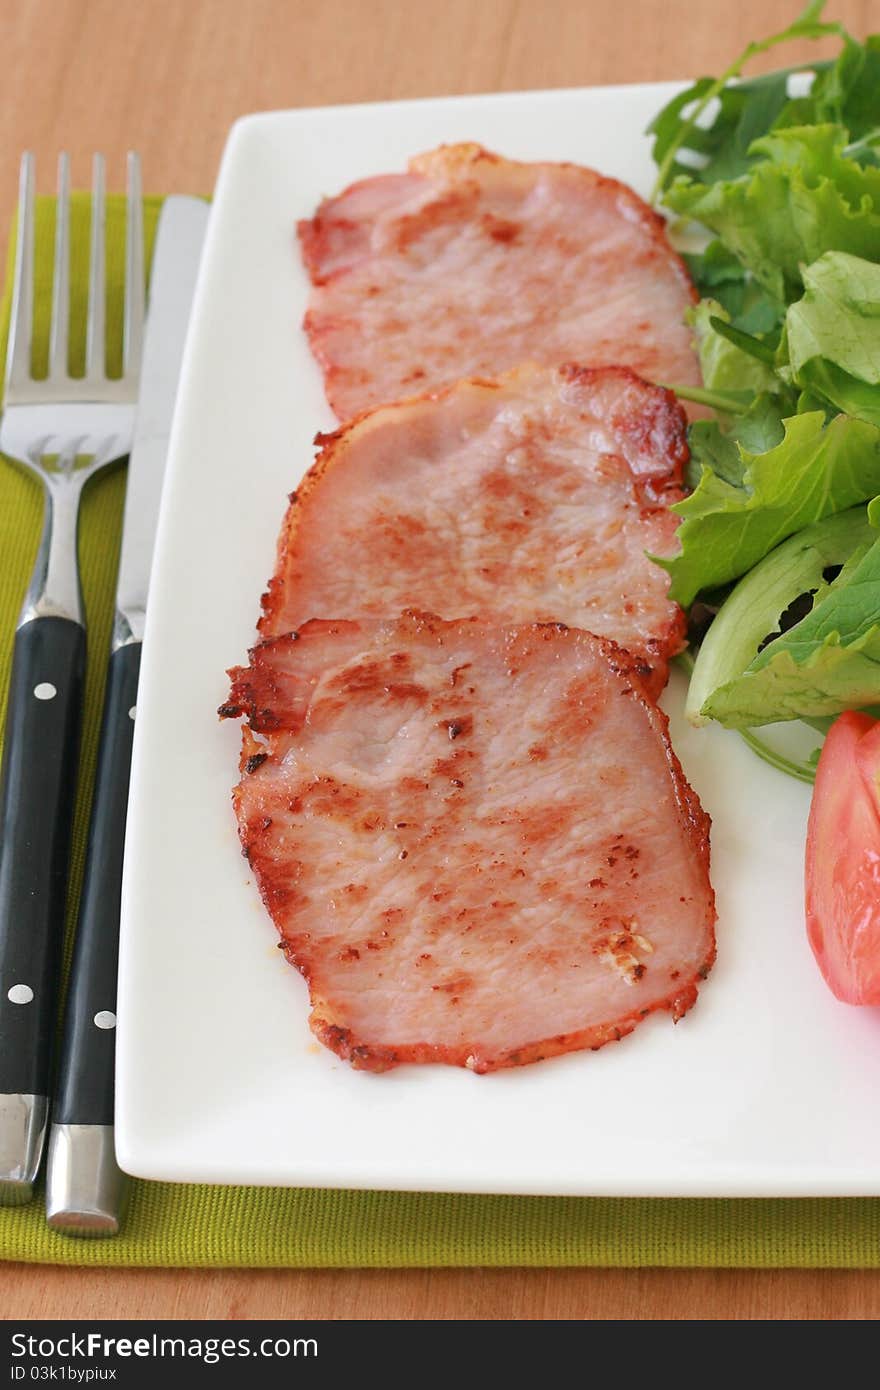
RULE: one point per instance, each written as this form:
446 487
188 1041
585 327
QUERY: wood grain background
168 77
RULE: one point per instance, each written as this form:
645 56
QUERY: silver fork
63 430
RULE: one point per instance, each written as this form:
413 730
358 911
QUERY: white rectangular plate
768 1087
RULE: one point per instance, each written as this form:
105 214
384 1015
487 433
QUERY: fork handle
84 1088
37 794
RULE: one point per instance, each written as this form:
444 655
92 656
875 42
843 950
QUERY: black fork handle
37 794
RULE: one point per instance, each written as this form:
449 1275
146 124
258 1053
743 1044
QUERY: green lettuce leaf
727 526
828 662
724 365
802 198
832 338
765 608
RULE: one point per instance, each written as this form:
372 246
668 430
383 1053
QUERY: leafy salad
780 536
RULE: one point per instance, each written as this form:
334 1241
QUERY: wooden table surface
168 77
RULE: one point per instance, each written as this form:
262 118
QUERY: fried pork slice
469 264
533 497
476 842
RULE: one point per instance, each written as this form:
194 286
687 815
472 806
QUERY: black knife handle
84 1090
37 795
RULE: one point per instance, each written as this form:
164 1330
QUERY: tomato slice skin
842 866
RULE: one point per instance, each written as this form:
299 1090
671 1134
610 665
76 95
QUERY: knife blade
84 1186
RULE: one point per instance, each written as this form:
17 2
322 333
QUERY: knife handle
84 1089
37 794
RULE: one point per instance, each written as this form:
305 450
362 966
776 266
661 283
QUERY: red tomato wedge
843 860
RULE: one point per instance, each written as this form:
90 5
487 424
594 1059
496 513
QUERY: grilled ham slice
476 842
533 497
469 264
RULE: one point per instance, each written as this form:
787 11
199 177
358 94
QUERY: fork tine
61 277
133 329
18 351
97 288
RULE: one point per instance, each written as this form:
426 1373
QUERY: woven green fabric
179 1225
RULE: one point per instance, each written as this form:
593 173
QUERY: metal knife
84 1185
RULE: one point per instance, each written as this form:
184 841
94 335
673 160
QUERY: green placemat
179 1225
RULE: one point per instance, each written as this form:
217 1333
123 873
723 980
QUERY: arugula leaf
832 338
719 276
749 343
804 197
737 384
848 91
827 663
727 527
757 429
745 109
745 112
